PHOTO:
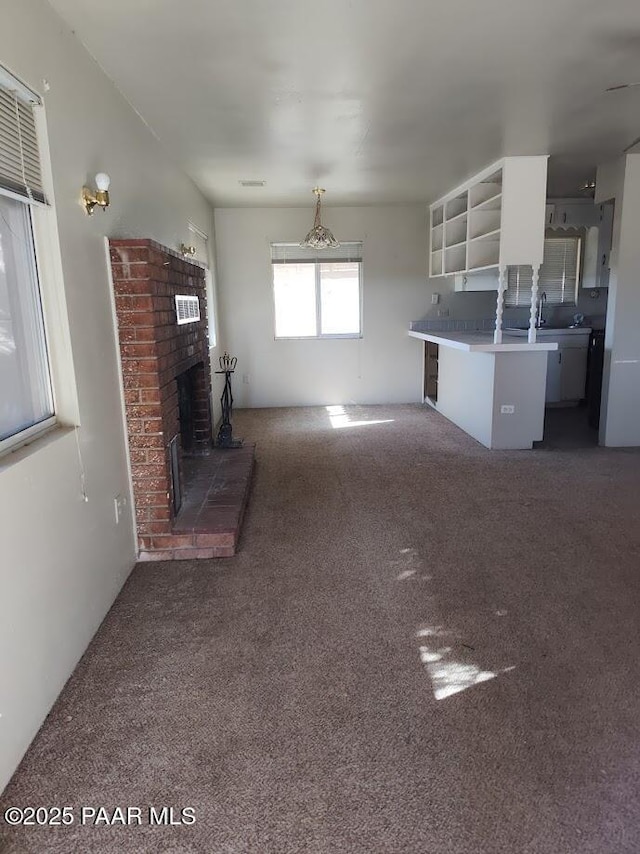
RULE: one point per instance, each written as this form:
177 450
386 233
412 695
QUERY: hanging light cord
318 193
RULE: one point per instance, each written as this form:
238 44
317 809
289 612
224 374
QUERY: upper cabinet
495 219
596 224
572 213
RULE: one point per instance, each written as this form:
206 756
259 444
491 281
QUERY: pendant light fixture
319 237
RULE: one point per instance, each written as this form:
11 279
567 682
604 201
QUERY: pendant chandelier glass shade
319 237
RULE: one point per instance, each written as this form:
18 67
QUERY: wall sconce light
100 197
187 251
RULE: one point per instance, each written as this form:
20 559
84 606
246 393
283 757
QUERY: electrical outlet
119 506
245 379
443 312
435 299
507 409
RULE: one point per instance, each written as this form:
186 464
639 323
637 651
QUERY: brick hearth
155 352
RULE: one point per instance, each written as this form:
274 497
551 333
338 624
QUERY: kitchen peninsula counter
482 342
494 392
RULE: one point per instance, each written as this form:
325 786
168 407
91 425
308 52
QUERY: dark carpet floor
423 647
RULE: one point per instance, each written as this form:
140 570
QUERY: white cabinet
552 393
597 223
495 219
487 281
573 213
573 373
604 231
567 369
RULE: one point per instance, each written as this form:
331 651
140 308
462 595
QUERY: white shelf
457 217
484 253
480 269
483 222
455 258
489 235
486 191
492 204
495 219
456 206
455 233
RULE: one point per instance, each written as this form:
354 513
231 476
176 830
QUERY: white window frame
48 261
27 434
319 334
210 287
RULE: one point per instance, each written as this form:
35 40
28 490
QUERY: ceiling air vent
252 183
187 309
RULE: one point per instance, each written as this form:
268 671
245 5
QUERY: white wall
383 366
63 559
620 415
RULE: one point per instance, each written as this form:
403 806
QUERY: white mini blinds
293 253
20 172
559 274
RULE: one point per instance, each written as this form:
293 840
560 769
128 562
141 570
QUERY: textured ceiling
379 101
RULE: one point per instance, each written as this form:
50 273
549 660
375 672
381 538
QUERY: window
26 397
559 274
200 241
317 294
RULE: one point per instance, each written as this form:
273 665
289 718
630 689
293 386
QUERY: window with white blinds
317 293
20 172
559 275
26 389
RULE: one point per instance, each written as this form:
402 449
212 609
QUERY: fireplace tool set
225 433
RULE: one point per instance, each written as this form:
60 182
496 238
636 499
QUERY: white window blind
20 172
559 274
293 253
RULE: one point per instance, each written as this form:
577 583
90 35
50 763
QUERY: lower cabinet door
552 394
573 372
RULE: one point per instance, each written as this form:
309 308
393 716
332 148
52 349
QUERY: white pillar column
502 286
535 278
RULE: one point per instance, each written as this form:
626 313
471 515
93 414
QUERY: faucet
542 299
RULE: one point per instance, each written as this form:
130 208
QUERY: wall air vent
187 309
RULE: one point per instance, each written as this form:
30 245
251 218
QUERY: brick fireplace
167 381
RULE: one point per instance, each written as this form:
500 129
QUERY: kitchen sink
547 331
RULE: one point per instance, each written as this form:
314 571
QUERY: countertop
482 342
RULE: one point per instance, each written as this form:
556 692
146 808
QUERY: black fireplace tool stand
225 433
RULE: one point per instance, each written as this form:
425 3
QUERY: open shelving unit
449 235
493 220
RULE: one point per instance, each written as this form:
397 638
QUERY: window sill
48 436
349 336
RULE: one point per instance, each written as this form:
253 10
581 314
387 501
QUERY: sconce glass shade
102 181
319 237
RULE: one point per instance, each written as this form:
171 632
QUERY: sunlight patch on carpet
449 673
339 418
